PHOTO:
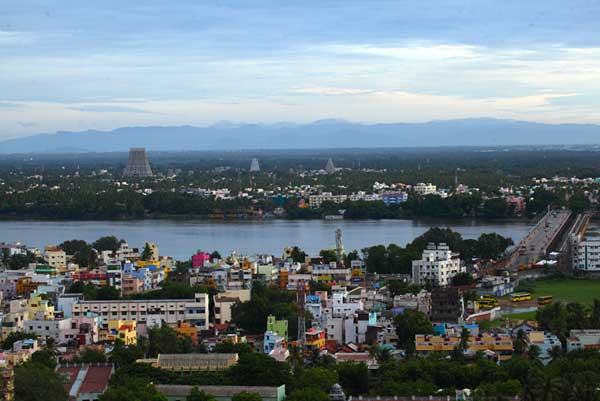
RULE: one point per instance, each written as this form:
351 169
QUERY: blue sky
74 65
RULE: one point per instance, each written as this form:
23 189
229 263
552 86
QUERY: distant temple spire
329 167
137 164
254 166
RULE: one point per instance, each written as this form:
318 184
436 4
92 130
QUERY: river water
181 238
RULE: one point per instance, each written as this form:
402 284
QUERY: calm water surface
180 238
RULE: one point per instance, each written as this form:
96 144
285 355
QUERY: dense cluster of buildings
350 311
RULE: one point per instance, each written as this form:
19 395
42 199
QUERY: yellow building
38 308
124 330
501 344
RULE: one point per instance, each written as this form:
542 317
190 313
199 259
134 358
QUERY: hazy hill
319 134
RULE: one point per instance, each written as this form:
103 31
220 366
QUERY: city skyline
140 64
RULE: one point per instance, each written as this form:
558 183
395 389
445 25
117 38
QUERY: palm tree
556 352
520 343
464 339
296 358
534 352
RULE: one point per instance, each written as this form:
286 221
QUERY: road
534 246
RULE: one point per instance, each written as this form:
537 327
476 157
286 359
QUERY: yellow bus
488 303
520 296
544 300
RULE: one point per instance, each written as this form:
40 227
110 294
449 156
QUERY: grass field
568 290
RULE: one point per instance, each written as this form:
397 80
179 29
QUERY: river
181 238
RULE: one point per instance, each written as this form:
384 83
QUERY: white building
586 255
61 330
315 201
170 311
424 189
55 257
437 266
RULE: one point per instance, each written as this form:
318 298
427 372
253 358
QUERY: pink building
199 259
518 202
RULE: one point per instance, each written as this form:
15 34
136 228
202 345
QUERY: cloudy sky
75 65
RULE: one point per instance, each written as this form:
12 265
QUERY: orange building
315 339
25 286
283 278
186 329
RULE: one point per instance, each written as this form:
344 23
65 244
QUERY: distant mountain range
319 134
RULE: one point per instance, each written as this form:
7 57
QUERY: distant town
223 189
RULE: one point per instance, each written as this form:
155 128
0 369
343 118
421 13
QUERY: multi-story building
424 189
583 339
331 274
278 326
545 341
495 286
500 344
61 330
55 257
586 255
446 305
124 330
394 198
437 266
171 311
315 201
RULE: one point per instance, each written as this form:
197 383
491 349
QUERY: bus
488 303
544 300
520 296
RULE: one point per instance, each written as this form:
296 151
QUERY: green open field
568 290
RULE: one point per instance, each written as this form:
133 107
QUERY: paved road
534 246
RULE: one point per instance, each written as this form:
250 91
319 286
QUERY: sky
78 65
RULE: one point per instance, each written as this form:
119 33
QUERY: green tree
107 243
464 340
228 347
134 390
165 340
91 355
409 324
462 279
354 378
257 369
320 378
298 255
13 337
533 353
328 255
199 395
35 382
82 252
44 357
520 342
146 253
246 396
579 202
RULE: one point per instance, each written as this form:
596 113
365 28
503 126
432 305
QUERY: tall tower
339 248
137 164
301 299
329 167
254 166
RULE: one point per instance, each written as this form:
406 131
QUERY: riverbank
182 237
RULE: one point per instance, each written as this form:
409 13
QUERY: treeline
89 202
398 260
